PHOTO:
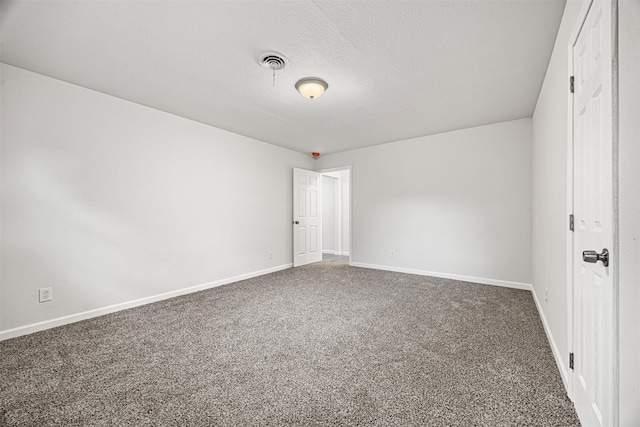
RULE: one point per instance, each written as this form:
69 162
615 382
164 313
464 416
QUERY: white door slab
593 303
307 221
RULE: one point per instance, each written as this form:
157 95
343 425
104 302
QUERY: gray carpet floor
313 346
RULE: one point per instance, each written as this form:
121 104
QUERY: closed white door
307 221
593 325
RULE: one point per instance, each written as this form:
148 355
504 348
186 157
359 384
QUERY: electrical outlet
270 254
392 253
45 294
355 202
546 295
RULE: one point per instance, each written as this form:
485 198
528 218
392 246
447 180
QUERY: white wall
629 210
330 221
457 203
108 201
550 216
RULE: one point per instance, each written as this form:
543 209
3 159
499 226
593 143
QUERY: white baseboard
72 318
481 280
564 373
332 252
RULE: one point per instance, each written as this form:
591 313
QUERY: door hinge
570 360
571 223
571 84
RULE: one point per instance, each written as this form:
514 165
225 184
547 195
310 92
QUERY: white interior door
593 325
307 221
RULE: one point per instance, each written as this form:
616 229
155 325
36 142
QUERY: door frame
350 234
582 16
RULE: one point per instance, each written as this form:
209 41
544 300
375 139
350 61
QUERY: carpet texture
313 346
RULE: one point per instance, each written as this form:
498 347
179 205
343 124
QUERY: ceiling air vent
273 61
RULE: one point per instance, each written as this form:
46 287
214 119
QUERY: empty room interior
318 212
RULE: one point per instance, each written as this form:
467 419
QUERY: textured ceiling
396 69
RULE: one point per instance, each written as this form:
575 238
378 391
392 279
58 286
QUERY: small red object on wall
315 155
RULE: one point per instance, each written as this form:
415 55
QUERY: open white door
307 222
594 355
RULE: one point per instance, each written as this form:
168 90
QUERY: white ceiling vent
273 61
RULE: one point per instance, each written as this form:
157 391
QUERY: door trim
582 16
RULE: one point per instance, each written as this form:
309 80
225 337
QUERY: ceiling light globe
311 87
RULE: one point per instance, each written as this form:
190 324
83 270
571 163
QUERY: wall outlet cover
45 294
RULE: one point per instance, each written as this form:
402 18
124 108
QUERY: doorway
336 215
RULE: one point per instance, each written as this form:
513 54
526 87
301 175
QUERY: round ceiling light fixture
311 87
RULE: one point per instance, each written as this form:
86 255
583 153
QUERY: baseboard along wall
564 373
332 252
481 280
65 320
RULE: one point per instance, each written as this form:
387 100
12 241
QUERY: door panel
307 229
313 203
593 209
302 203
